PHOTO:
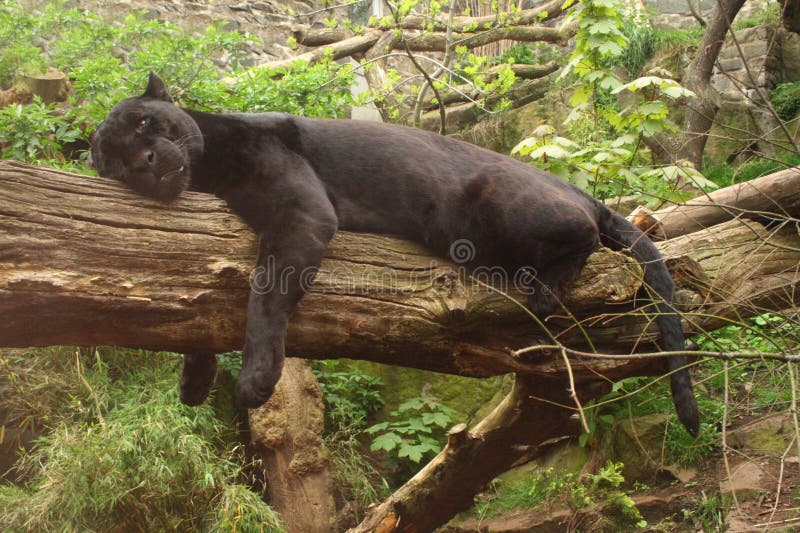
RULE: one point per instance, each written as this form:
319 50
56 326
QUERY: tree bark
348 47
772 197
287 432
83 261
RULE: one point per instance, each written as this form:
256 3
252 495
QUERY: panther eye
142 124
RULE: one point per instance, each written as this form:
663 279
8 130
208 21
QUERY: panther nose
150 157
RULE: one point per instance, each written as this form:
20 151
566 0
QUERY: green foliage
414 432
17 38
128 456
241 509
109 62
724 174
528 54
321 90
349 396
579 493
33 132
355 479
785 99
769 15
645 42
753 387
609 161
709 515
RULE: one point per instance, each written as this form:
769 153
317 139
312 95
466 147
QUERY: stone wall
678 13
270 20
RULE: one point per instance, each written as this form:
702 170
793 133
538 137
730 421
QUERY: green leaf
383 426
436 419
387 442
676 91
550 150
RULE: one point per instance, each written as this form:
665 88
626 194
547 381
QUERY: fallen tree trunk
773 196
83 261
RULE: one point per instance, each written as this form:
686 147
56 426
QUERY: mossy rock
733 130
638 443
770 435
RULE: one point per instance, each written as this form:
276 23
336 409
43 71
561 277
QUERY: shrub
786 99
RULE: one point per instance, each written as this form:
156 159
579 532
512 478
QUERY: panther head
149 143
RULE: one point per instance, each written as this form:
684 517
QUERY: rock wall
681 13
270 20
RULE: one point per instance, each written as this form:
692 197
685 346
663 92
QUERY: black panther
297 180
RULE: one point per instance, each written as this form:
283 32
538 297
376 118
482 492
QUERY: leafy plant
109 62
349 396
414 433
33 132
785 98
580 493
609 161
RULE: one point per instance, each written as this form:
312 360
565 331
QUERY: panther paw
254 389
198 376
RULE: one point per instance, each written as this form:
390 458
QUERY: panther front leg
289 253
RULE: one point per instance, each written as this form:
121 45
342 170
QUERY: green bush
785 99
350 396
415 432
109 62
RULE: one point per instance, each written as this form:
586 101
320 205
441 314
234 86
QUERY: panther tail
617 233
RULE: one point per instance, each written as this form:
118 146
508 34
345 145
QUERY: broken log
287 433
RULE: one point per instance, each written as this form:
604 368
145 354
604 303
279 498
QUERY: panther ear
156 88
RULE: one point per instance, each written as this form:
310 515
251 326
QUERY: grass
120 452
724 174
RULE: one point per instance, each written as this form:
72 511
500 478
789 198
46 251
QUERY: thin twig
727 356
573 393
725 440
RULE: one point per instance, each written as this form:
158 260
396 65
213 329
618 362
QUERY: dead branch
467 92
423 42
774 196
549 11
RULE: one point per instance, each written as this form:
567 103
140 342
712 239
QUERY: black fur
296 181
